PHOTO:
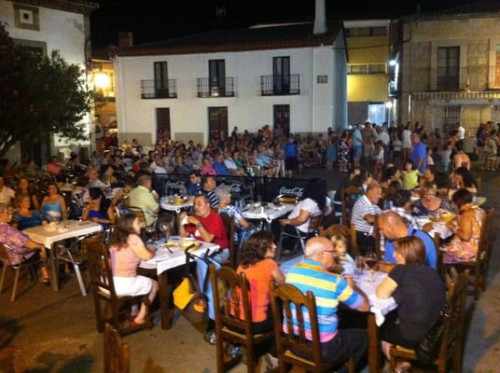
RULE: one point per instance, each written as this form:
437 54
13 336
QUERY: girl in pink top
256 261
127 250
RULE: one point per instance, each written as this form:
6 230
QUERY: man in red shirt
205 225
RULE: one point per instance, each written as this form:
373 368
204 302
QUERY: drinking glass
371 261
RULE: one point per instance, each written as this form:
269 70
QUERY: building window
448 63
322 79
161 79
26 17
37 47
359 32
366 69
217 77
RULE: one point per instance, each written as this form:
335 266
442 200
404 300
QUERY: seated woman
23 186
429 203
127 250
389 175
243 228
467 228
20 247
257 263
463 179
25 216
312 203
99 209
419 292
460 159
53 204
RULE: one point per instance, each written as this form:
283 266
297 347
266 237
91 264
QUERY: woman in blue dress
99 209
53 204
25 216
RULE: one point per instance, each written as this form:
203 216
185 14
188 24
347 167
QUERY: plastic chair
29 265
291 339
108 306
452 338
233 318
314 225
116 352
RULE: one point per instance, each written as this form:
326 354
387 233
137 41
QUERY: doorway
281 117
163 131
217 123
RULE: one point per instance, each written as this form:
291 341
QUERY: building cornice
82 7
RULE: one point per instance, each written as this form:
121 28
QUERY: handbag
427 350
189 298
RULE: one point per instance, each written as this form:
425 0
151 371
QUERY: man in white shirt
461 131
364 215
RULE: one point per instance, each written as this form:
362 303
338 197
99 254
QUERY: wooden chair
290 339
349 196
233 318
451 348
137 211
108 306
314 225
116 352
30 265
230 226
479 267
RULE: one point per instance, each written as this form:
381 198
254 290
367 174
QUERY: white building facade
200 87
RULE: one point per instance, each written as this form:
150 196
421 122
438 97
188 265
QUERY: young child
378 159
430 160
345 260
445 157
410 176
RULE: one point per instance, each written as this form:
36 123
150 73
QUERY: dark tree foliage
39 96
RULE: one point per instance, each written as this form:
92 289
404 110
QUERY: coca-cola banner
290 187
238 186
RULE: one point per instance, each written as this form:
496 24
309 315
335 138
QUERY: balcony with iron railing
280 85
151 89
207 88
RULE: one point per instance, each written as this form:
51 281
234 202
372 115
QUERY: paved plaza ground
56 332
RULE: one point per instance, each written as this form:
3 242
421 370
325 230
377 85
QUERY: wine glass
371 261
164 228
149 231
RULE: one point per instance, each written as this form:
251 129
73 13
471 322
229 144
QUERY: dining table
265 213
169 204
170 253
49 234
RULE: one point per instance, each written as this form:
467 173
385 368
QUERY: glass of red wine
371 261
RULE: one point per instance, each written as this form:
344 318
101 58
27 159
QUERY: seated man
205 225
337 345
402 205
145 198
219 165
209 190
20 247
364 213
194 187
232 165
393 227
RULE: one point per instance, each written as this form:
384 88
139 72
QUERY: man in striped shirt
364 214
313 274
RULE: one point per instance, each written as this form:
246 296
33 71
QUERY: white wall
311 111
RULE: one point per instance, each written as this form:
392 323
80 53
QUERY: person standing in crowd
330 289
357 138
418 153
291 156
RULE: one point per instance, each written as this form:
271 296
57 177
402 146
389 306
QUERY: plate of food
190 244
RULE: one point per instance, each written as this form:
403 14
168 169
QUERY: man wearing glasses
314 274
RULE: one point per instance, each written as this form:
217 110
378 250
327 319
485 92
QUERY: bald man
393 227
337 345
364 214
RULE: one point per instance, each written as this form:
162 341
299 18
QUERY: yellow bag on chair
184 293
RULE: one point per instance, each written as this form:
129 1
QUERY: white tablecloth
74 228
166 259
437 227
269 213
166 205
380 307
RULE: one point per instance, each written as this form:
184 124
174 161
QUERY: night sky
160 20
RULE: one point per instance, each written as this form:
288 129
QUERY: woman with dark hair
53 204
24 187
463 179
467 227
99 209
127 250
460 159
419 292
257 263
389 175
311 203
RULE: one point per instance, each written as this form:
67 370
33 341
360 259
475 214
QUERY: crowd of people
388 165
